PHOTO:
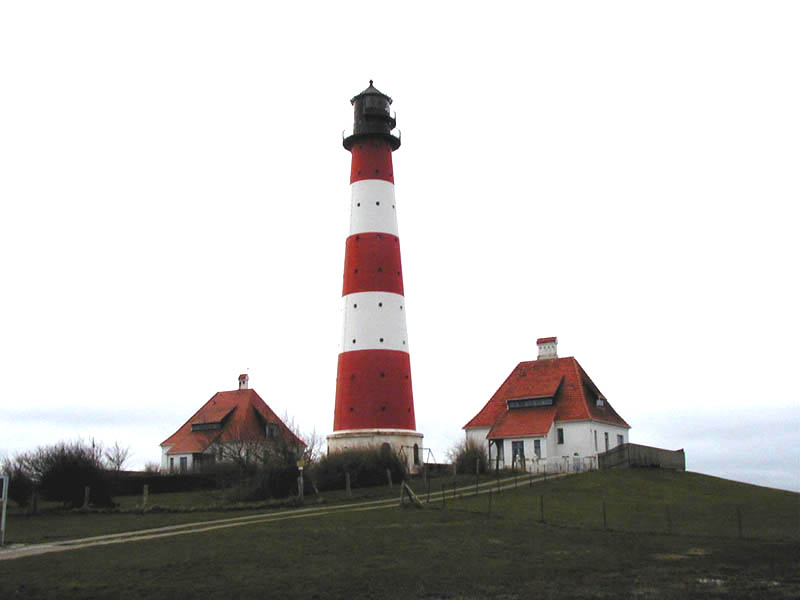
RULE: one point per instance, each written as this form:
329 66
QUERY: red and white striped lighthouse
374 402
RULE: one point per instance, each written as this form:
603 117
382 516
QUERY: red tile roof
545 340
563 379
523 421
243 415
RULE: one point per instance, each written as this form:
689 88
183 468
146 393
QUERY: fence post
86 492
347 484
145 494
389 476
476 477
490 503
605 519
541 508
739 520
429 491
4 479
300 486
454 488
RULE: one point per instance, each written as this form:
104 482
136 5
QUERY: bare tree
116 456
314 441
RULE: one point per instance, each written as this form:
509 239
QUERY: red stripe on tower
374 400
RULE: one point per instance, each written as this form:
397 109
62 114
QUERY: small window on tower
560 434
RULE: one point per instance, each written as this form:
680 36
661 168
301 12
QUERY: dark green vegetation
469 456
458 550
366 467
60 473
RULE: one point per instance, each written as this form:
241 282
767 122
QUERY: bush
367 467
265 484
20 485
61 473
466 454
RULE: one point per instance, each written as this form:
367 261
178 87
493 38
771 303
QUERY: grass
651 500
54 524
462 552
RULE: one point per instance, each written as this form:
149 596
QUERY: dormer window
272 431
530 402
600 402
206 426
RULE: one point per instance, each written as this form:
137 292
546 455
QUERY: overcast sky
622 175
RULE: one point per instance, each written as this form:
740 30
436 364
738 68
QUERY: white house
547 414
228 419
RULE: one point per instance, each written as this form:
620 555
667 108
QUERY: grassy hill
457 549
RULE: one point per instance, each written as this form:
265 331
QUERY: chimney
547 348
244 378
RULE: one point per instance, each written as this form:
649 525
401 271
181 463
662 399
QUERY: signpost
3 502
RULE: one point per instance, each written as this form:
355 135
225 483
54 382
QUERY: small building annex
229 424
547 414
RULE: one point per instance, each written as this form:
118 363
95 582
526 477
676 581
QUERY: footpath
25 550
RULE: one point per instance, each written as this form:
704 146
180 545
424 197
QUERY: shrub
20 485
466 454
62 471
367 467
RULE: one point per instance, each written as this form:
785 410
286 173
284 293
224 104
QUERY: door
518 453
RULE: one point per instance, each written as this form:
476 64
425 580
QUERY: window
272 431
620 440
560 433
171 463
416 454
606 436
529 402
537 448
206 426
184 463
595 440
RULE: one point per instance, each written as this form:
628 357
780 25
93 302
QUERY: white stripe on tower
372 207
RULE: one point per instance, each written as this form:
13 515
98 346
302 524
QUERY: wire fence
530 498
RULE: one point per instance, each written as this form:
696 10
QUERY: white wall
478 435
165 467
402 442
578 437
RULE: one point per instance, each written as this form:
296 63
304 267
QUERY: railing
551 464
346 133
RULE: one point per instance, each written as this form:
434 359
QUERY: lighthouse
374 401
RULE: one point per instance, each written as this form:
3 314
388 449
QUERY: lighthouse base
406 443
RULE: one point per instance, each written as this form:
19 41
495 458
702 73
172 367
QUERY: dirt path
22 551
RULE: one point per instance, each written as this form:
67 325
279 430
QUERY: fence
545 500
636 455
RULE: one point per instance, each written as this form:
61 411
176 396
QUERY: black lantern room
372 118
